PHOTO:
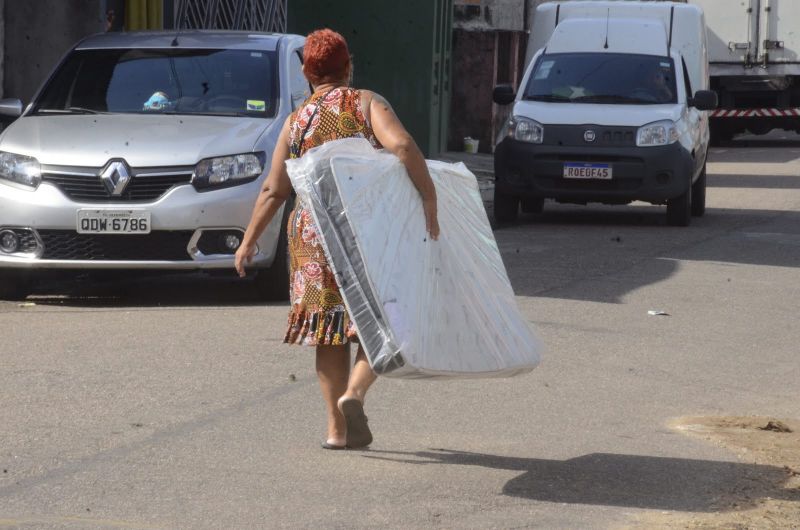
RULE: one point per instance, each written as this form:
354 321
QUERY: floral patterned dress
318 314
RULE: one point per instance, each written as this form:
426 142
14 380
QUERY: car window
602 78
180 81
298 84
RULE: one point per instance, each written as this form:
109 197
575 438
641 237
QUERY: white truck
754 56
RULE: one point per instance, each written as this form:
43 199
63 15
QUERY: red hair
325 57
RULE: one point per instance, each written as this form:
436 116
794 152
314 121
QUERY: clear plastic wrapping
422 308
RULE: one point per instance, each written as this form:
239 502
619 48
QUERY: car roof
246 40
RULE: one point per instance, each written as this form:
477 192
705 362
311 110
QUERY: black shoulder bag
299 145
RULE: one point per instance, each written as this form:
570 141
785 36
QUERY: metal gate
249 15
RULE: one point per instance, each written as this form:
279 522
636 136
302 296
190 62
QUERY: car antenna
608 16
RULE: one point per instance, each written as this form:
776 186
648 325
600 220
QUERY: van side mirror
11 108
704 100
503 94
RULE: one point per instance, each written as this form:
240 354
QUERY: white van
611 109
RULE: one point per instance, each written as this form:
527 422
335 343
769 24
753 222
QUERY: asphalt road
170 402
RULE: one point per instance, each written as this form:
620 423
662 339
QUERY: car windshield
613 78
163 81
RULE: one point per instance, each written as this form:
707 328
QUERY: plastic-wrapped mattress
422 308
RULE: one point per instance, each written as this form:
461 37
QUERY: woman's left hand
431 218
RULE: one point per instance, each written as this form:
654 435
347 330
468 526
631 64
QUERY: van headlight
224 171
657 133
20 169
525 130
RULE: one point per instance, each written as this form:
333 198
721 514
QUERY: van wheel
532 205
14 285
699 194
273 283
679 209
506 207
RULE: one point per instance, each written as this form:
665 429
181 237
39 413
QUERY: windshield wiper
548 97
232 114
609 98
85 110
71 110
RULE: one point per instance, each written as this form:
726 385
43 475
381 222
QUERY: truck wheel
699 195
14 285
720 135
506 207
532 205
679 209
273 283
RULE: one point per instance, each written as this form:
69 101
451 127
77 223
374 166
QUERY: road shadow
631 481
127 289
617 250
776 147
777 182
756 151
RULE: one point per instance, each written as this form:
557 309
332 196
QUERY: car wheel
506 207
273 283
679 209
699 194
532 205
14 285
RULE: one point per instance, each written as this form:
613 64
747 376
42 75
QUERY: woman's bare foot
335 443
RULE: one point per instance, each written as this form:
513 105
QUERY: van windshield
163 81
613 78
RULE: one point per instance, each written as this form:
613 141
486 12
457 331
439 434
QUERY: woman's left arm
276 189
394 137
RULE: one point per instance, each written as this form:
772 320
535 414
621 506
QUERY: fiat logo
589 136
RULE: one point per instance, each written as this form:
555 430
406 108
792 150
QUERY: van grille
604 136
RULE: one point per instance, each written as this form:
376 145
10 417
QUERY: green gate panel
400 50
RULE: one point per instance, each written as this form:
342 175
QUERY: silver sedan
146 151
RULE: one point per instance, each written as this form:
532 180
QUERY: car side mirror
704 100
503 94
11 108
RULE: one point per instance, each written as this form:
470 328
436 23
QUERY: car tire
272 284
506 207
699 194
533 205
679 209
14 285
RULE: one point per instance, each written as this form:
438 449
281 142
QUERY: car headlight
226 171
525 130
20 169
657 133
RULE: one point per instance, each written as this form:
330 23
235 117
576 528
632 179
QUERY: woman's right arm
276 189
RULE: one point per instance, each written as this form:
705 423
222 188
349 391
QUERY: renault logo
116 176
589 136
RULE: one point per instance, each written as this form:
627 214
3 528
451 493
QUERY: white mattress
423 308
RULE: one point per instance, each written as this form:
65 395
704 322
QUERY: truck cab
611 109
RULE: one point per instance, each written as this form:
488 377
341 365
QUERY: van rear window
168 81
613 78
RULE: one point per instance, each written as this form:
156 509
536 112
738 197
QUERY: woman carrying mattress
318 316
